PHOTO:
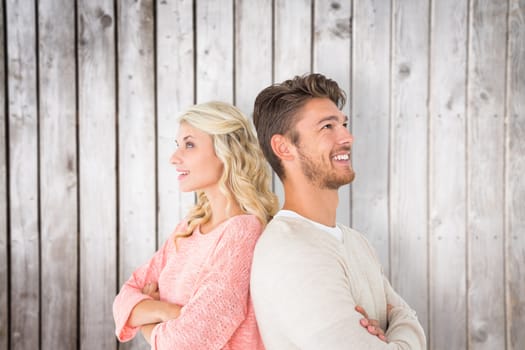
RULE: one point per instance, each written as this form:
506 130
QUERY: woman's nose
175 159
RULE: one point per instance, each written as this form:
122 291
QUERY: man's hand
371 325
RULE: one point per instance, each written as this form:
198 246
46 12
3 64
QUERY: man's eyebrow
332 118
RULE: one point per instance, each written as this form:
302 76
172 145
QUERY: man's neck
319 205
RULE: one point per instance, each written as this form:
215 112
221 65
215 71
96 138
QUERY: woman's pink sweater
209 277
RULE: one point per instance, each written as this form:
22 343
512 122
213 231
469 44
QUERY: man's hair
277 106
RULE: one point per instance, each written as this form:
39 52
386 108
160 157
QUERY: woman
194 292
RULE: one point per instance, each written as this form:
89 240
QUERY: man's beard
323 175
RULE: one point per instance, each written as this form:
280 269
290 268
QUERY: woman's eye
189 145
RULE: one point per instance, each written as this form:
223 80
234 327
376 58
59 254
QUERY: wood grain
4 272
214 61
253 34
371 123
515 186
23 174
447 178
136 140
97 172
409 154
58 174
485 174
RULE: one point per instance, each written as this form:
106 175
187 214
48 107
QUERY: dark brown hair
277 106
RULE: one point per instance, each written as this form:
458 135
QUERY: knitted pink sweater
209 276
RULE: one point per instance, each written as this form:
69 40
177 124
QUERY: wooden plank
23 171
58 174
97 172
292 19
408 155
370 111
4 273
214 31
136 105
447 185
253 51
515 186
485 174
175 80
332 34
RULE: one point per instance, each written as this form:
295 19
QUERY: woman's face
198 166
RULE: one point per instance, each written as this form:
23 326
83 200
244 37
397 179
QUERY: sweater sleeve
131 292
404 328
220 301
403 325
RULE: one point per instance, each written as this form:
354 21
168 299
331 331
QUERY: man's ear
282 147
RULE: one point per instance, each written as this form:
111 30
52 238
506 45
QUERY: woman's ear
282 147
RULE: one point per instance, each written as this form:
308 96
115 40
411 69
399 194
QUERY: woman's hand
154 311
152 289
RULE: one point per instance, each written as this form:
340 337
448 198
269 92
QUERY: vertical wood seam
7 175
504 179
38 171
155 123
77 154
390 138
467 173
312 34
429 173
117 141
195 58
234 51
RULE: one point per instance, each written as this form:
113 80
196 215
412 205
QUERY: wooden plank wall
89 92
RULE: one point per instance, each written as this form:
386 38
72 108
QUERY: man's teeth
341 157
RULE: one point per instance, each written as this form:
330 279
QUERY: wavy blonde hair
246 176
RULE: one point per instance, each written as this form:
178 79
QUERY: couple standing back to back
306 282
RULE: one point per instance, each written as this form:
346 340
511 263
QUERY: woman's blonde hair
246 176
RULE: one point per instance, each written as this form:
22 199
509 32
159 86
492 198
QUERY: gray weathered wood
370 111
253 34
58 174
409 154
23 174
515 186
175 81
292 19
214 61
136 136
464 64
97 172
4 273
447 183
485 174
332 57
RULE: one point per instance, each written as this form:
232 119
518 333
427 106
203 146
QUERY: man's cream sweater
305 285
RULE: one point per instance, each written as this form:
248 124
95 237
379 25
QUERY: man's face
324 146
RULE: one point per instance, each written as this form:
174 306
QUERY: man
315 284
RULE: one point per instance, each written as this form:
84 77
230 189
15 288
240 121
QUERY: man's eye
327 126
345 125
